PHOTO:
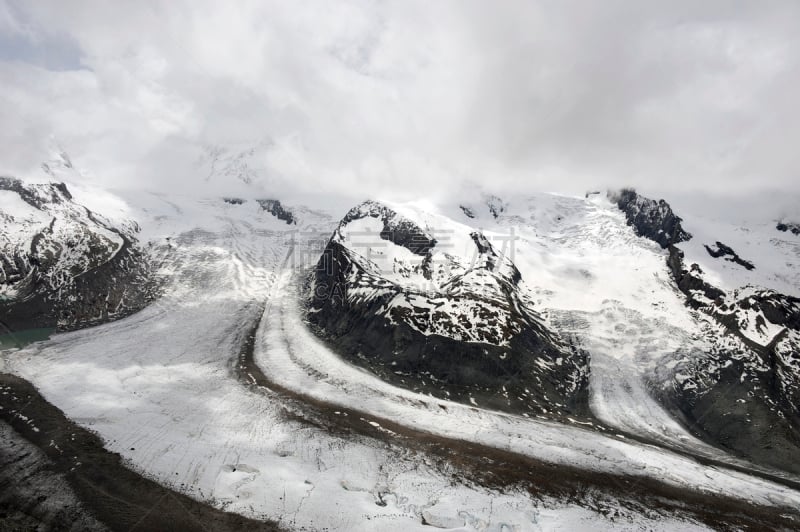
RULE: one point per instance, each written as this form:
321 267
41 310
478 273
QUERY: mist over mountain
399 265
386 98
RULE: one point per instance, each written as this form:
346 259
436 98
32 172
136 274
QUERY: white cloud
410 98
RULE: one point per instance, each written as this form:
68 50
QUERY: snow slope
751 232
158 386
301 362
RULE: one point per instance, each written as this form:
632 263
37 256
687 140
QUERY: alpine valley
609 361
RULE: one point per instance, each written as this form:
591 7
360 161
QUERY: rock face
742 392
275 208
791 227
726 252
650 219
63 266
453 320
768 323
697 291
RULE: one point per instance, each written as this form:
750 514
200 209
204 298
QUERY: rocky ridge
650 219
275 208
790 227
63 266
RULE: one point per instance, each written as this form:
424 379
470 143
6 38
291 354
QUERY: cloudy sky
403 98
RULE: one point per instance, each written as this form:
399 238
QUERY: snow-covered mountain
64 266
433 305
528 362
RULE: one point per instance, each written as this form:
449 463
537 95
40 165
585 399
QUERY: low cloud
404 99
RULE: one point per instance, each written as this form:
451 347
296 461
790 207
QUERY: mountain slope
63 266
300 434
740 388
432 305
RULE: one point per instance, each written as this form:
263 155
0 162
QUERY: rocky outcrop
461 328
791 227
275 208
396 229
728 254
697 291
63 266
467 211
650 219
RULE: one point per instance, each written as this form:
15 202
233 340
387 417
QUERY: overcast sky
406 98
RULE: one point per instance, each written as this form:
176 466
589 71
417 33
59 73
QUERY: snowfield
160 386
775 255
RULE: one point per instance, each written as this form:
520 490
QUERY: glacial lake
22 338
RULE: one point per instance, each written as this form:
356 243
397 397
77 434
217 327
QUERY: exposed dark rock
744 399
467 211
650 219
744 394
275 208
36 195
723 402
778 309
792 227
689 281
233 201
778 355
396 229
76 270
730 255
468 336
